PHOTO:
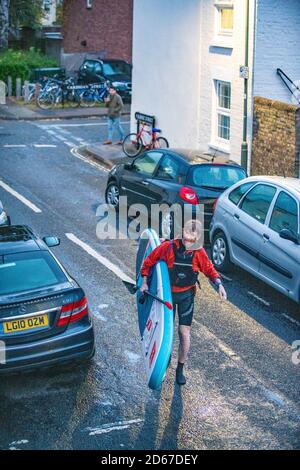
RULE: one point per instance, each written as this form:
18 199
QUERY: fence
18 89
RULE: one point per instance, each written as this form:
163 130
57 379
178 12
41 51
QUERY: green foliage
25 13
59 14
18 64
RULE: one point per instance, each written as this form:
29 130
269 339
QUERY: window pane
215 176
226 19
224 95
27 271
258 201
168 169
147 163
223 127
236 195
285 214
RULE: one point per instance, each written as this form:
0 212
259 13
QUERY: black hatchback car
44 318
172 176
116 71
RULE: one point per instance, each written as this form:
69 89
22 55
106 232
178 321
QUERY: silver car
256 226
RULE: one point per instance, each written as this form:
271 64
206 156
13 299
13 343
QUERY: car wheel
220 252
112 195
167 226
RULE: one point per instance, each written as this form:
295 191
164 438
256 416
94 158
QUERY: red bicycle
144 139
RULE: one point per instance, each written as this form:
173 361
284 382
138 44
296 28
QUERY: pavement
242 388
14 111
107 155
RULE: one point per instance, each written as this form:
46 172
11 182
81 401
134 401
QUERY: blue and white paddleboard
156 321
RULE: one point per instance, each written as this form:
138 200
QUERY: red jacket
201 262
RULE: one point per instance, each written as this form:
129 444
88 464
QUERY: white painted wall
166 43
277 46
223 63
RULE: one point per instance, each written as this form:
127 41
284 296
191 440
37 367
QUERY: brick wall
276 138
106 28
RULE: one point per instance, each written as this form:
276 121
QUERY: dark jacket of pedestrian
115 106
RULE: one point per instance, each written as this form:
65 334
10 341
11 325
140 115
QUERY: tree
18 13
25 13
4 23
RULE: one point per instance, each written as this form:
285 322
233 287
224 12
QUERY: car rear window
22 272
215 176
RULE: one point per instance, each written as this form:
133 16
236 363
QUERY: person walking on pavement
115 106
185 258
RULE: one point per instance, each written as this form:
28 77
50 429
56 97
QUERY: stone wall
276 138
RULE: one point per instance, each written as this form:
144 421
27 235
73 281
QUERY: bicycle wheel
132 145
73 100
87 99
162 143
45 101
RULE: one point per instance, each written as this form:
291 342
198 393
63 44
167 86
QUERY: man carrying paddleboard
185 258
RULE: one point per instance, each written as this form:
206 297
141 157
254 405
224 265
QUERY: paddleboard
156 321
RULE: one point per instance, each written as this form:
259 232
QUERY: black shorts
183 302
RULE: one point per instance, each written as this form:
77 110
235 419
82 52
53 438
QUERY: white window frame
218 142
89 3
223 37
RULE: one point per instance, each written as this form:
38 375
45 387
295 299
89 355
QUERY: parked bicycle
146 139
57 92
95 93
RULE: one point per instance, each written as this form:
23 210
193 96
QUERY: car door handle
266 237
236 216
145 183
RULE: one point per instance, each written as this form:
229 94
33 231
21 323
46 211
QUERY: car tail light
188 195
73 312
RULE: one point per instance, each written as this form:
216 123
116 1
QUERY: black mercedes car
44 317
169 176
116 71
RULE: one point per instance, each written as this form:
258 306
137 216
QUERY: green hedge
18 64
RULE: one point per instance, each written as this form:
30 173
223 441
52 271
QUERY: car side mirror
51 241
128 166
287 234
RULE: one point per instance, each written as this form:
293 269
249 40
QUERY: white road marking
43 126
76 154
14 443
44 146
263 301
14 145
119 425
108 264
226 350
291 319
21 198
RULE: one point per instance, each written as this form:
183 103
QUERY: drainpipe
244 148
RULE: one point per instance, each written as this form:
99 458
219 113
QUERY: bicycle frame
141 133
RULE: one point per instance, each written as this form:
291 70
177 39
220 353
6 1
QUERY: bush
18 64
